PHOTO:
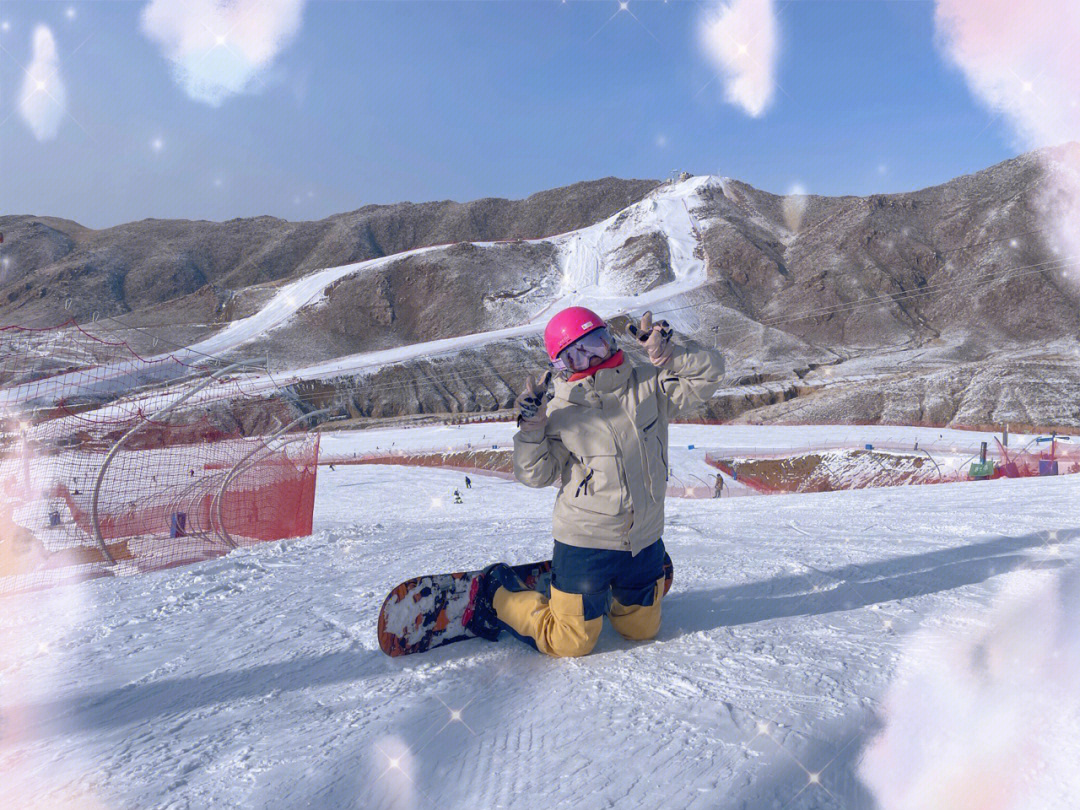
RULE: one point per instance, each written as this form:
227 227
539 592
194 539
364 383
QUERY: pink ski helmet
567 326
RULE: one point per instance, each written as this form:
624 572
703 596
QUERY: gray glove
655 338
531 404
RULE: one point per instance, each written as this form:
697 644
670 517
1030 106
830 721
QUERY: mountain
944 305
57 269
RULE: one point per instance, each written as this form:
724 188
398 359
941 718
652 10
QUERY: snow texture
255 680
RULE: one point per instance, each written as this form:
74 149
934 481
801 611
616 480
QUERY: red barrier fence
833 466
167 485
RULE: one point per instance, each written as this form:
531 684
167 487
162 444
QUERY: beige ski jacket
606 445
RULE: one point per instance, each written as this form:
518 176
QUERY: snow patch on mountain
585 264
589 275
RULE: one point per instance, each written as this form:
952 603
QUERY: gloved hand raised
655 338
531 404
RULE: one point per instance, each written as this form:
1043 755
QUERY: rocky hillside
55 269
944 305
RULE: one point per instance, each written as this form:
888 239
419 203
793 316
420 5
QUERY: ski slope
583 257
586 269
588 278
255 680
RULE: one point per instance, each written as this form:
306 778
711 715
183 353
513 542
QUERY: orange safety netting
1049 455
836 465
184 485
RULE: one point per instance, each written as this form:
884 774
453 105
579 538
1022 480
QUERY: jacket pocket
646 414
595 483
658 466
662 452
596 486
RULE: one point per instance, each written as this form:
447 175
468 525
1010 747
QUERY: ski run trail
587 279
255 680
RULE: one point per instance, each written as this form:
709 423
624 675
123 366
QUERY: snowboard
426 612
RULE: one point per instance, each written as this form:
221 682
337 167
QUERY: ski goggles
579 355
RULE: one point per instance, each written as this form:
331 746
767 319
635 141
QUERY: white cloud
219 49
44 100
742 40
1020 60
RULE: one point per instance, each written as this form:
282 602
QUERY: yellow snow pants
598 583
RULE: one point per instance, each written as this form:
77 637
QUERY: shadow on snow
854 586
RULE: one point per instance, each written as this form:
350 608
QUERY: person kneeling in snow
604 439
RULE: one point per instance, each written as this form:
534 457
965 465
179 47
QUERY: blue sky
377 102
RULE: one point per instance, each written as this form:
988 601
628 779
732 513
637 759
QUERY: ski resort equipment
138 476
1025 462
177 525
1048 464
567 326
1010 468
982 469
426 612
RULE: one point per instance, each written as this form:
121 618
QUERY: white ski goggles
579 355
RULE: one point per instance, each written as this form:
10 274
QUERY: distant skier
605 443
468 482
718 490
457 497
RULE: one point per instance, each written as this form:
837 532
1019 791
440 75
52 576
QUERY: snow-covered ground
952 450
255 680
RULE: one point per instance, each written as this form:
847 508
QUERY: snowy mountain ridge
941 305
589 277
